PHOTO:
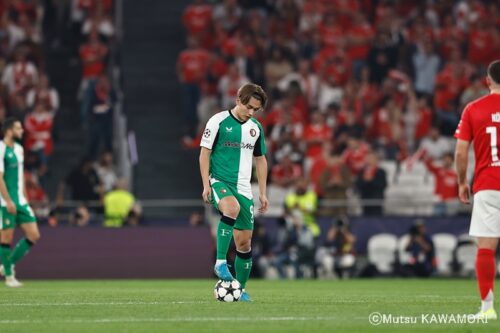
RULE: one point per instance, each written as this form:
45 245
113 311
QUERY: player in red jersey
480 124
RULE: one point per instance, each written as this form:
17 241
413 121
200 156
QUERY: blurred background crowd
365 97
362 93
73 40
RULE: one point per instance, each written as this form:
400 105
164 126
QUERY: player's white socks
487 303
220 261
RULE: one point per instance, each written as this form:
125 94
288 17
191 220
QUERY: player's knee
34 237
244 246
232 210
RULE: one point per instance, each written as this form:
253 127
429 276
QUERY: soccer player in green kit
230 141
14 210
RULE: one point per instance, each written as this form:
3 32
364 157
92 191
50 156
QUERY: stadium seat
444 245
382 252
411 192
390 169
466 259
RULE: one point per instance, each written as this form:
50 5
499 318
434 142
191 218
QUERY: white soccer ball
227 291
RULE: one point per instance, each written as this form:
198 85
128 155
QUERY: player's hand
264 204
464 193
11 208
207 195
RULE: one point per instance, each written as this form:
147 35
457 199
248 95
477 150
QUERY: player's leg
7 268
486 227
243 261
243 230
31 236
486 271
27 221
6 236
229 207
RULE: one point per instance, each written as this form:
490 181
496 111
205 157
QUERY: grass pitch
279 306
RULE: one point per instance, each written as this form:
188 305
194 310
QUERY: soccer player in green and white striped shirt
231 140
15 210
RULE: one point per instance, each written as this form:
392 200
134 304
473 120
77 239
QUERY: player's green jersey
11 165
233 144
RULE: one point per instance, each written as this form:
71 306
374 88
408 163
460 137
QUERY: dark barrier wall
173 251
149 252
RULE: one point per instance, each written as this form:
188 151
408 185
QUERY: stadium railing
390 207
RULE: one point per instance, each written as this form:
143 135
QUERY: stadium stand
360 64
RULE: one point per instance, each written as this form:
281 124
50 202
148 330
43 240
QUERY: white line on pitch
160 320
100 303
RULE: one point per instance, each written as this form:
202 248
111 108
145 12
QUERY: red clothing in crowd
317 168
330 34
193 64
91 5
480 124
481 47
355 158
280 172
360 51
316 132
446 181
197 18
340 70
92 56
449 39
34 192
39 131
275 116
345 9
448 87
424 122
383 127
25 8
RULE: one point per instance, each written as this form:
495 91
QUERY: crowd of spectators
351 83
25 90
84 28
93 182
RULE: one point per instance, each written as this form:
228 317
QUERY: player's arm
461 161
261 168
204 170
11 208
208 140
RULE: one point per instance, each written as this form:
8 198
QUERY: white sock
487 302
220 261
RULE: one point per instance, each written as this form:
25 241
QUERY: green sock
5 256
224 236
22 248
243 266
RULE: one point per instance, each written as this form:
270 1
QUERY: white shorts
485 221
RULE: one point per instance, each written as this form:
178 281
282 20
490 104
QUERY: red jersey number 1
492 131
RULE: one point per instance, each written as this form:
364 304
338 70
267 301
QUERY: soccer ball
227 291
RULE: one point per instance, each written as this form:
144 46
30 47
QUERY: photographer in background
336 256
420 247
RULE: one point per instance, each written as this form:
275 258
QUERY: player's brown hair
494 71
250 90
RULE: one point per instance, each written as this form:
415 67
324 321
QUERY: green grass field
279 306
